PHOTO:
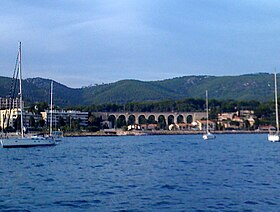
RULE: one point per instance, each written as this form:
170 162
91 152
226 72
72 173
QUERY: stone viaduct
137 117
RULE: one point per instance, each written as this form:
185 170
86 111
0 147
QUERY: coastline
157 132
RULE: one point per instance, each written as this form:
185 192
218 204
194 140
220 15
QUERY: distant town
70 121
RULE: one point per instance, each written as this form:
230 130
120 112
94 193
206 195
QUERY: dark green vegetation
257 87
264 111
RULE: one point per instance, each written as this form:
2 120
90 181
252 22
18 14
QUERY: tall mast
276 101
20 90
51 118
206 94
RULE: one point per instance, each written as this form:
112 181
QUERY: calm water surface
144 173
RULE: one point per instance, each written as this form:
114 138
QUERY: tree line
263 111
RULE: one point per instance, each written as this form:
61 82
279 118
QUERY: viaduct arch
139 117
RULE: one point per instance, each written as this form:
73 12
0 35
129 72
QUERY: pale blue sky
83 42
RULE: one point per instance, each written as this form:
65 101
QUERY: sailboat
23 140
207 135
56 135
273 136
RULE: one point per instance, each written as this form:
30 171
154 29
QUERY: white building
68 117
9 117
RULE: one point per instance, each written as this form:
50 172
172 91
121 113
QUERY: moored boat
24 140
273 136
208 135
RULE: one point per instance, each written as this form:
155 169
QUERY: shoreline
158 132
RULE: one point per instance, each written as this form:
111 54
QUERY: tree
151 120
161 122
41 123
247 125
38 107
17 123
91 120
142 120
32 121
76 124
95 121
61 122
121 122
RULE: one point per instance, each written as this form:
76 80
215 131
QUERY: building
237 120
202 125
227 116
67 116
9 103
10 117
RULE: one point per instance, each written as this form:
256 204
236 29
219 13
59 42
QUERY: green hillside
38 89
245 87
126 91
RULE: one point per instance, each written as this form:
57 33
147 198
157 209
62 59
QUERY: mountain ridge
257 86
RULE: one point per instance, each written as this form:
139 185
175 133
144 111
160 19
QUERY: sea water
143 173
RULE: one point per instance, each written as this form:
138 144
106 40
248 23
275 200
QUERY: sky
87 42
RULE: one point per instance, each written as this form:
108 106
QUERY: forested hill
245 87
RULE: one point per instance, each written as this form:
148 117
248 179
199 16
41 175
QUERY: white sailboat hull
273 137
208 136
26 142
